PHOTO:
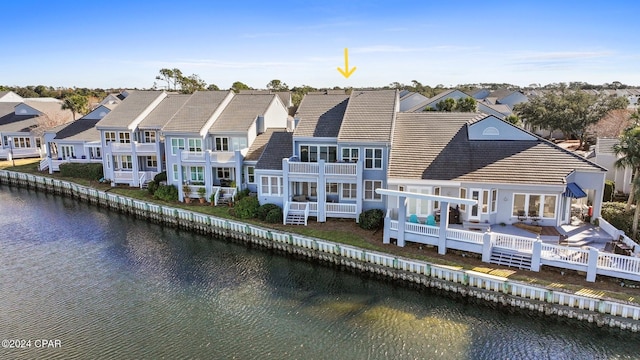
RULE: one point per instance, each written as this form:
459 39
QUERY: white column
444 225
320 190
402 219
592 264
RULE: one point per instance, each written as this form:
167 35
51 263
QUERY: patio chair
414 219
431 220
534 217
522 216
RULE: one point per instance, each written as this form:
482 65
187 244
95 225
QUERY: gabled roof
431 102
435 146
320 115
242 112
10 122
280 146
48 107
195 113
79 130
130 108
369 116
260 143
159 116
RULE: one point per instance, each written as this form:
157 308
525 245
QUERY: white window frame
370 187
177 143
110 136
196 174
436 191
221 173
486 201
125 162
527 197
351 191
149 136
463 195
371 157
269 183
332 189
95 152
251 174
322 152
175 173
67 152
152 161
194 144
494 201
352 156
124 137
419 204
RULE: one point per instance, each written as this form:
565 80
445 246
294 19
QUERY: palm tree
78 104
628 148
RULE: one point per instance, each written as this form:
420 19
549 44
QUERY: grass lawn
346 231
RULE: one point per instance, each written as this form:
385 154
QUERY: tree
78 104
466 104
190 84
513 119
628 150
171 77
213 87
237 86
277 85
571 112
446 105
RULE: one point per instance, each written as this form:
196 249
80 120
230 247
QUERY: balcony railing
126 147
310 168
340 169
215 156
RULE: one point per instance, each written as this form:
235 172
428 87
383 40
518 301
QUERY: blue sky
124 44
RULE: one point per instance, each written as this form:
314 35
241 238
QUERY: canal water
78 282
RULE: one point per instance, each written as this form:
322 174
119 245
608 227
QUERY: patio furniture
431 220
534 217
522 216
414 219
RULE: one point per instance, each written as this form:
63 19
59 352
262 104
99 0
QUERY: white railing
146 147
464 235
298 206
393 224
313 206
340 208
304 168
117 147
19 153
192 156
120 175
564 254
421 229
222 157
513 242
608 228
607 262
340 169
44 164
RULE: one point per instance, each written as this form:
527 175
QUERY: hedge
88 171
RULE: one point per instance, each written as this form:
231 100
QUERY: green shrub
371 219
82 171
615 215
167 193
274 216
263 210
242 194
152 186
247 207
160 177
609 190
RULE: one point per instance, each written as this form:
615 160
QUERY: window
222 143
463 195
149 136
196 174
436 204
68 152
195 145
251 177
271 185
349 191
313 153
110 136
20 142
350 155
369 190
125 137
535 205
175 145
223 173
494 200
175 173
152 161
485 201
373 158
419 206
125 162
95 153
332 189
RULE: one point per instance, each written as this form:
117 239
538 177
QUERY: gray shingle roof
259 144
79 130
11 122
321 115
164 111
195 113
369 116
241 112
129 109
280 146
435 146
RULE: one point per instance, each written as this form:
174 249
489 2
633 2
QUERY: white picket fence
468 278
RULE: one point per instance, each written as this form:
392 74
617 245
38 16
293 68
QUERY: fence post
536 255
592 264
486 247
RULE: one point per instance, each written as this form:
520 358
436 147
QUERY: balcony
217 157
331 169
125 148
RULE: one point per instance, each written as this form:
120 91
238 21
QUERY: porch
132 178
296 211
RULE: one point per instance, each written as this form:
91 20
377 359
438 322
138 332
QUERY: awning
574 191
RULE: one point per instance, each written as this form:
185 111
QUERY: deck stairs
511 258
296 218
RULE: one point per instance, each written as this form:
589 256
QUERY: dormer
492 128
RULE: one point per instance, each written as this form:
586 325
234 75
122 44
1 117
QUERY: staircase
511 258
44 164
295 218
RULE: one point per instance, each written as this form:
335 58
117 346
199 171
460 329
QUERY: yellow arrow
346 72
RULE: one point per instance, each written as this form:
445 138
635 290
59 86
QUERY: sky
124 44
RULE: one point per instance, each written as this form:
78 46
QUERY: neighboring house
604 156
22 125
513 174
10 96
338 156
78 141
497 110
130 139
207 140
257 149
410 99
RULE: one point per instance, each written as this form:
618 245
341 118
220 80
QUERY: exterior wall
606 158
275 116
253 187
267 198
492 128
174 159
97 114
24 109
411 101
252 134
514 98
593 183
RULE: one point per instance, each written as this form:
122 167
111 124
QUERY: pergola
444 215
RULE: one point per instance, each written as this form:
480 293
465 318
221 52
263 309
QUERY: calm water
107 286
